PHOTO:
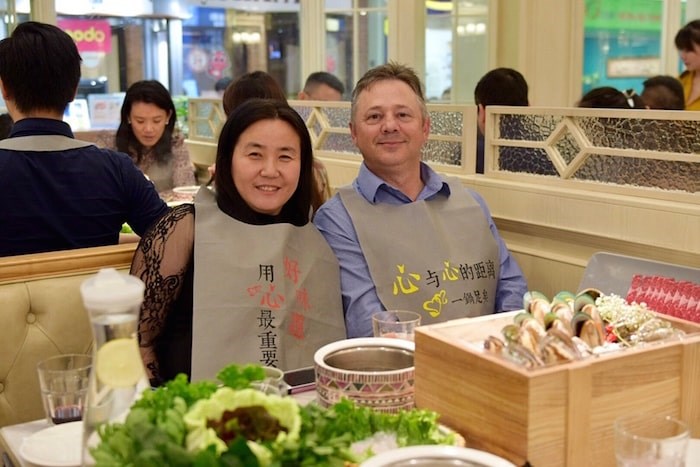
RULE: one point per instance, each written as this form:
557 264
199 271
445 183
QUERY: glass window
356 38
458 28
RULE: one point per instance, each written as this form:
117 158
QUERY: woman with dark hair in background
241 276
250 85
147 133
688 44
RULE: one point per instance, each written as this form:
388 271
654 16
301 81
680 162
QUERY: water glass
651 441
273 383
64 381
399 324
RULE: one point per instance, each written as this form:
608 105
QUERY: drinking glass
651 441
273 383
399 324
64 381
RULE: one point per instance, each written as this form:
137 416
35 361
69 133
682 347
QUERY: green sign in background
638 15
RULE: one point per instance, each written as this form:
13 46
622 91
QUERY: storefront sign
89 35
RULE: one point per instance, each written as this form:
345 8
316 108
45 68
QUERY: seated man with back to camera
437 251
58 193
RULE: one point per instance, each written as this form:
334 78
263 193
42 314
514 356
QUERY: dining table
12 437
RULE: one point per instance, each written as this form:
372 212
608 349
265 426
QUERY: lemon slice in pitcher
119 363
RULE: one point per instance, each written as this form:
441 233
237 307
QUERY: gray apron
435 257
265 294
42 143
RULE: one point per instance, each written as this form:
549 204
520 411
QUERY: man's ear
5 94
481 117
352 132
302 96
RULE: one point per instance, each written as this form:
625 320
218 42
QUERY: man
506 86
58 193
663 92
501 86
406 238
322 86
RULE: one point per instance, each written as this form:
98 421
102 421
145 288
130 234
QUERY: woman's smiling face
266 165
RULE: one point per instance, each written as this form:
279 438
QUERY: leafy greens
156 431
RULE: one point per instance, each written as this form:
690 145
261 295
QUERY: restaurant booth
593 181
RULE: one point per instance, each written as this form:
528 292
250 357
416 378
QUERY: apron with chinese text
436 257
265 294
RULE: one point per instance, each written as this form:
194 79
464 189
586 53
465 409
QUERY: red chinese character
296 325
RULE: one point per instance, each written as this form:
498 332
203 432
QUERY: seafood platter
544 384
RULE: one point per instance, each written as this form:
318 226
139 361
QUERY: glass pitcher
113 300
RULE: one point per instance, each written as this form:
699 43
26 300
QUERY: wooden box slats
560 415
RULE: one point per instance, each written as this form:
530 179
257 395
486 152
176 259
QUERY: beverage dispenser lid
111 289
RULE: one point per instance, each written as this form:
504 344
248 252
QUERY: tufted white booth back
42 315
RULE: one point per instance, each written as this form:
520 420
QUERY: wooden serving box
557 416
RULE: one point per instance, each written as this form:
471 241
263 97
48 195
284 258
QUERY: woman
262 85
688 44
241 275
147 133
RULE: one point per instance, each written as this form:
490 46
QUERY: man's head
501 86
322 86
39 69
389 121
663 92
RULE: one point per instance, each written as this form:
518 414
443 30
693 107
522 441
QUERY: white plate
186 190
433 455
56 446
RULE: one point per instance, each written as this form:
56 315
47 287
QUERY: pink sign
89 35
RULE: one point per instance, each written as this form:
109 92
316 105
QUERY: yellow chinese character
399 283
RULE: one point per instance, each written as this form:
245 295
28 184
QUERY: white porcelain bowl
375 372
436 456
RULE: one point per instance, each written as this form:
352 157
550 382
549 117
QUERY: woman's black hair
608 97
297 209
150 92
688 36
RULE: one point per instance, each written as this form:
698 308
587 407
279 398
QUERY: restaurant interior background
189 44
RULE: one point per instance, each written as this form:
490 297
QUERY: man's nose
389 124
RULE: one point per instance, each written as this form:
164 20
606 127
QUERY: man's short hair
663 92
39 67
501 86
323 77
389 71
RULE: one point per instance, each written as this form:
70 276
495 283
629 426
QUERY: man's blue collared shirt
360 298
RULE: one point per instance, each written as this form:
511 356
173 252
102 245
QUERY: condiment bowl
375 372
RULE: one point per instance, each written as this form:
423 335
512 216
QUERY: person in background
148 133
500 86
688 44
608 97
221 85
258 84
58 193
322 86
663 92
5 125
242 275
439 251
